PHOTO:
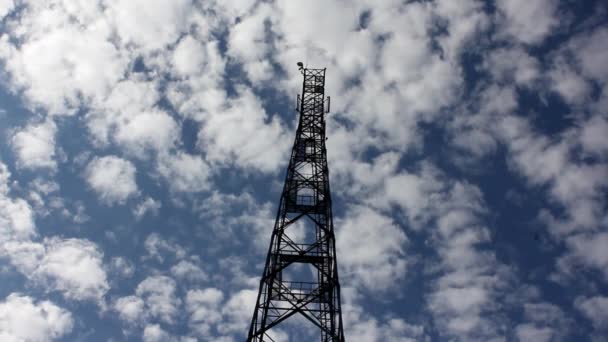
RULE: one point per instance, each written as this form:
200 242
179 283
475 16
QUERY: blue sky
144 145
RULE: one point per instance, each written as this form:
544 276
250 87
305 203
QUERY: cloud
160 23
130 308
148 205
371 249
528 22
364 328
261 142
592 136
187 270
154 333
513 65
568 83
203 305
188 57
6 6
248 43
112 178
122 267
159 248
184 172
594 309
74 267
23 319
16 215
60 82
237 311
544 322
590 51
589 249
35 146
158 294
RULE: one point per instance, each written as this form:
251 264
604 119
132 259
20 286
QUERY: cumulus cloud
130 308
112 178
528 22
158 294
24 319
544 322
159 248
154 333
35 146
60 82
160 23
261 140
590 50
204 309
594 309
74 267
363 328
187 270
148 205
371 249
5 7
122 267
184 172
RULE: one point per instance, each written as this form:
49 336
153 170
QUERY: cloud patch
112 178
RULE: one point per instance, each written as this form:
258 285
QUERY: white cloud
189 56
158 294
576 186
16 215
35 146
122 267
23 319
466 19
159 248
569 84
248 43
594 309
204 308
590 250
261 142
60 82
360 326
6 6
184 172
528 21
74 267
593 135
112 178
154 333
127 99
543 322
371 249
148 205
153 129
591 52
514 65
159 22
130 308
531 332
129 117
237 311
187 270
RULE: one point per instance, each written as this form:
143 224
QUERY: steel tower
303 232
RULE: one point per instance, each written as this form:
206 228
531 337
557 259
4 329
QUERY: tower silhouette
301 274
